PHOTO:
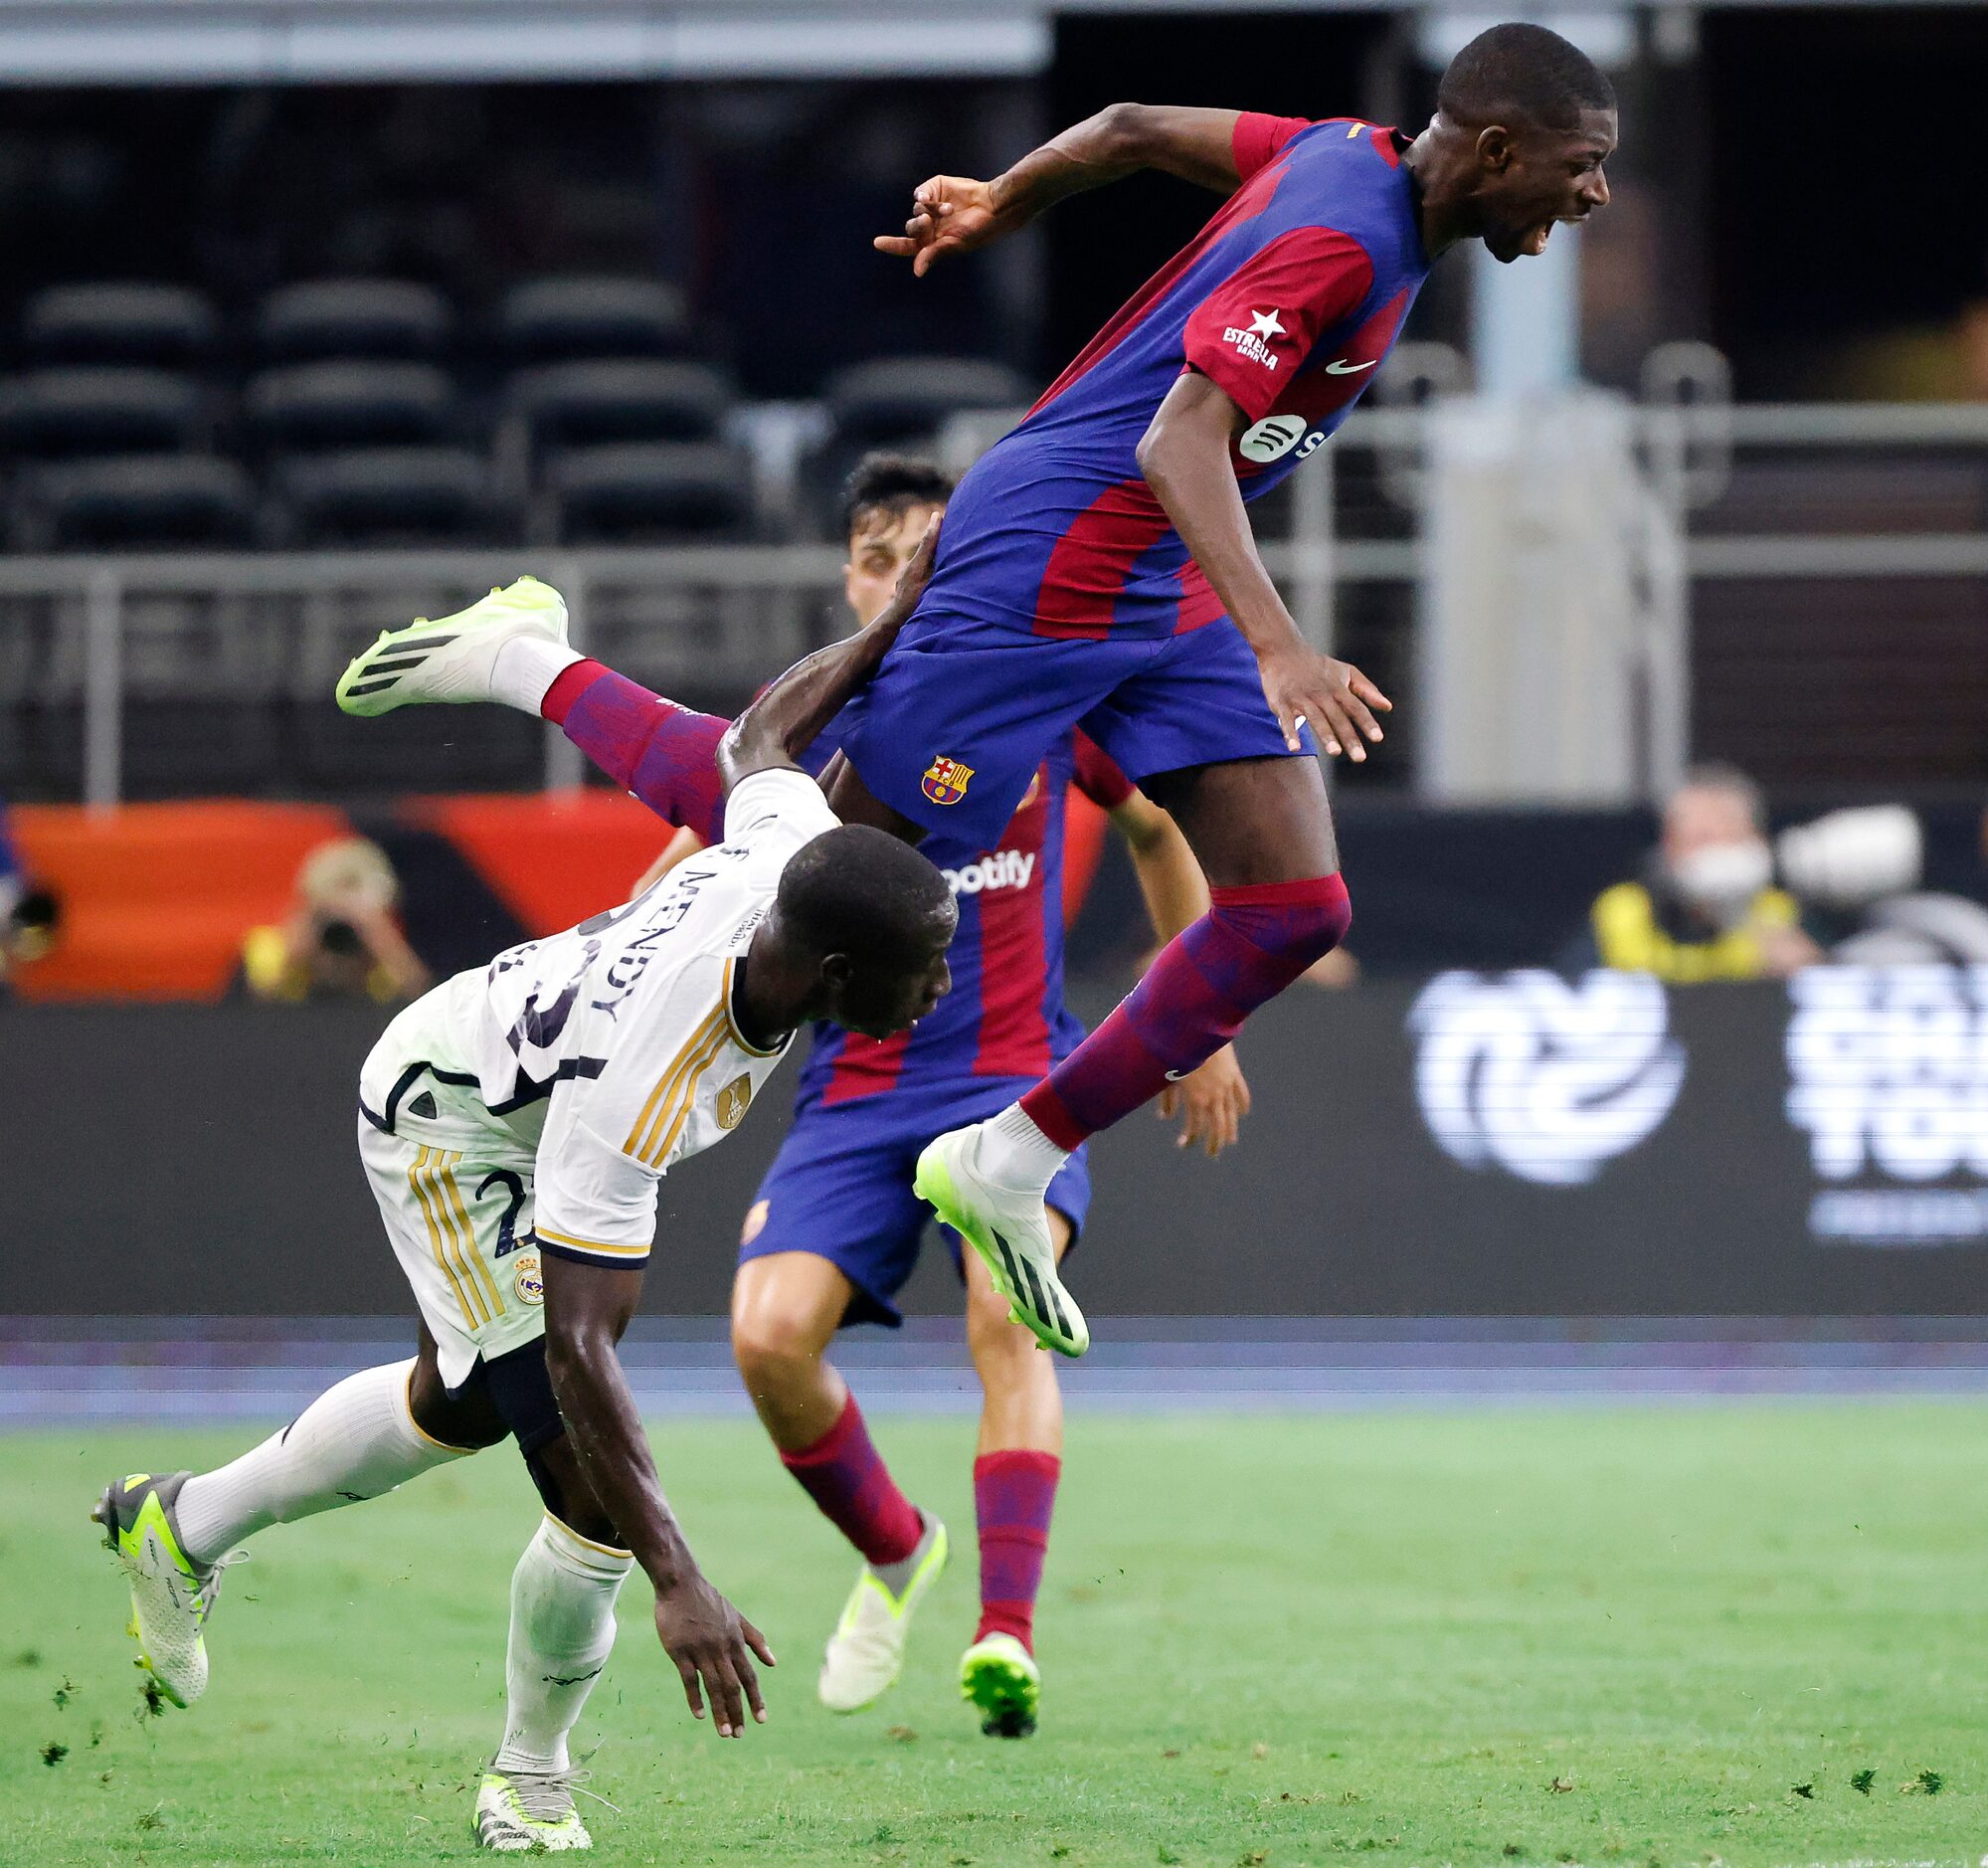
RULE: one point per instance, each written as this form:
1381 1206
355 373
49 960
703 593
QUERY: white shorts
456 1193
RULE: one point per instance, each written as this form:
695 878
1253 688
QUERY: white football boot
172 1595
867 1652
450 659
524 1812
1010 1229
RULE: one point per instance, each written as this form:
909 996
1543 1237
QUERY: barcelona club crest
945 781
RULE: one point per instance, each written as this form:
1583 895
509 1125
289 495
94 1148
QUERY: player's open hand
949 214
708 1639
1210 1102
1334 698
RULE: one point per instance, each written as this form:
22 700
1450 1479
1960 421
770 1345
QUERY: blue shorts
963 710
840 1187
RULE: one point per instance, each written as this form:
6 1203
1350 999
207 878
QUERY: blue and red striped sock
1250 945
844 1474
1014 1494
666 754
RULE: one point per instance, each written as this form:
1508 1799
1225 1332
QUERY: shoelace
547 1796
208 1590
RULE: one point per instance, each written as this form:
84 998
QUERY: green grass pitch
1637 1636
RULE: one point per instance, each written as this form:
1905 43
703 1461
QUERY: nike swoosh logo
1174 1076
1341 367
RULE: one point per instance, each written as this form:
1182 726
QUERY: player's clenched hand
708 1639
949 214
1210 1102
1336 700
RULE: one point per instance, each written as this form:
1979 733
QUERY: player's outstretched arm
956 214
785 719
1185 456
587 1307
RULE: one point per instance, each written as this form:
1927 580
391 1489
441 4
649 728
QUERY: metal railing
89 630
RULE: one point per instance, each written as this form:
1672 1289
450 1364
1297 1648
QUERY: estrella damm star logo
945 781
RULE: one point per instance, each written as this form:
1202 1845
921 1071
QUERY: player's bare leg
1018 1464
1262 831
786 1309
174 1533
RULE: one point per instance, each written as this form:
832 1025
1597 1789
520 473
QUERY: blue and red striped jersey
1288 298
1005 1015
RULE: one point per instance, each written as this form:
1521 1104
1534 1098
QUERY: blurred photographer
29 914
1859 873
342 938
1706 907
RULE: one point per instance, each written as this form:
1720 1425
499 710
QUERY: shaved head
1520 73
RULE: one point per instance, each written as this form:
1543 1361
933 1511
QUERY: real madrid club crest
528 1281
732 1103
945 781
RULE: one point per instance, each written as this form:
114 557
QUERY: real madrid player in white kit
513 1124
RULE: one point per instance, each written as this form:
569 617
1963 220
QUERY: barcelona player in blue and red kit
837 1228
1097 569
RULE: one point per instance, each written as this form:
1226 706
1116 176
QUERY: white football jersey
613 1044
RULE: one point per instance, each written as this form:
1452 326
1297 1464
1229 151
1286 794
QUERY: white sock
1014 1152
353 1442
562 1628
526 667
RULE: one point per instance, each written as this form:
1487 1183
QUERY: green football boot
450 660
1000 1677
1010 1229
529 1813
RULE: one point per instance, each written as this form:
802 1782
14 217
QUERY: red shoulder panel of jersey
1258 136
1097 776
1253 330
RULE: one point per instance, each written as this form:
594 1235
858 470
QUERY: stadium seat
140 502
98 409
168 326
309 406
591 316
567 403
900 399
388 495
654 491
352 318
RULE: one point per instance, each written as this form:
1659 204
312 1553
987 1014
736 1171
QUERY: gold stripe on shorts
466 1239
428 1201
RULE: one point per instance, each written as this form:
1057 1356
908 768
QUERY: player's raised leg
785 1308
1018 1463
1262 831
173 1534
510 648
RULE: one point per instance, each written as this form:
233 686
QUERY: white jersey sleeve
596 1202
778 809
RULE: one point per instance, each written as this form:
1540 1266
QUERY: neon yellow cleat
171 1594
867 1652
526 1812
999 1676
450 660
1010 1229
